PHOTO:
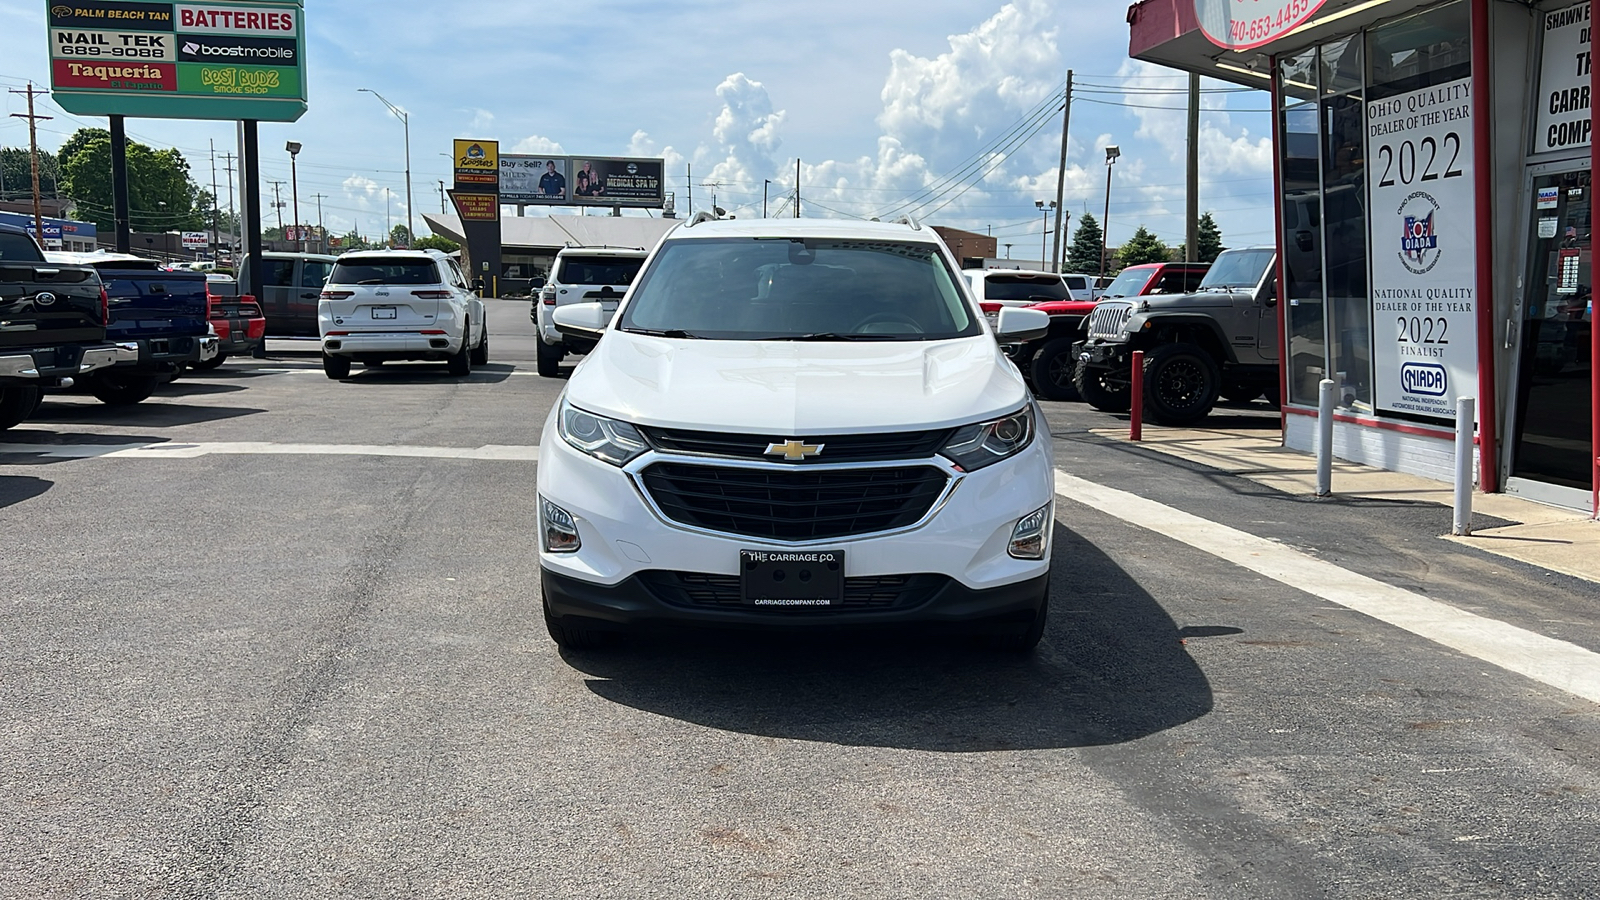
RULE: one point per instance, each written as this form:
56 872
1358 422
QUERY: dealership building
1433 167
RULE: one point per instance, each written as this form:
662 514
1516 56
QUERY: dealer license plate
385 312
791 577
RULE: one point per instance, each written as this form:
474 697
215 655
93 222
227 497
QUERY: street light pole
1044 234
405 119
1112 152
294 191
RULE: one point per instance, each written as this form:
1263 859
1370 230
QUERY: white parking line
1556 663
516 453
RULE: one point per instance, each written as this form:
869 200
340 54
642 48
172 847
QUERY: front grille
836 448
697 590
1108 319
794 505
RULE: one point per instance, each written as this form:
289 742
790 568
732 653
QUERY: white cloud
538 145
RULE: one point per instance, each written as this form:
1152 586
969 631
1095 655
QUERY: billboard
582 181
534 180
230 60
197 240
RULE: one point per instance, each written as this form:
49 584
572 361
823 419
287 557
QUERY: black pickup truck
52 325
162 317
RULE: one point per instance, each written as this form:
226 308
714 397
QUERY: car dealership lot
271 634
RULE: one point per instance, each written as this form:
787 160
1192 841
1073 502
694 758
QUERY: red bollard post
1136 411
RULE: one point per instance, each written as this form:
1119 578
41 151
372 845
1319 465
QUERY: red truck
1048 362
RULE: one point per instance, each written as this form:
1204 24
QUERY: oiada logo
1419 236
1424 378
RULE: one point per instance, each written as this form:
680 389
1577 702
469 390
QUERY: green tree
1208 239
435 242
399 236
16 173
1083 256
1142 248
161 194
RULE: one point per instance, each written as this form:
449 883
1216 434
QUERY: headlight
974 446
605 439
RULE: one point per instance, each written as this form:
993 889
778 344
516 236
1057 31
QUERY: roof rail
907 220
701 216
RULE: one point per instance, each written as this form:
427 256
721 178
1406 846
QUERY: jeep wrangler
1220 341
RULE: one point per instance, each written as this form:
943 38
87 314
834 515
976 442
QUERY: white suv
790 423
382 305
1020 287
580 275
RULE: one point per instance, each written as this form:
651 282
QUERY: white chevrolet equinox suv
383 305
796 422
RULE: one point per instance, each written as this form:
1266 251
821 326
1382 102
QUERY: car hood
1188 301
796 387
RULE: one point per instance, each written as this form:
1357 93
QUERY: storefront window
1302 224
1344 216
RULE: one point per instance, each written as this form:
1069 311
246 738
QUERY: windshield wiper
669 333
833 336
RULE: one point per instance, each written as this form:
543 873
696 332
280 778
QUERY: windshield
1238 269
598 270
1128 284
382 270
1025 287
766 289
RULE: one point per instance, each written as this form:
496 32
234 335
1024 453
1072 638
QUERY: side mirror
537 283
1017 325
586 321
1269 293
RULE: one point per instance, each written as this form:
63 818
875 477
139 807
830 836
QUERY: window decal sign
1423 250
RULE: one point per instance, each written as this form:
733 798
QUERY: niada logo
1425 379
1419 239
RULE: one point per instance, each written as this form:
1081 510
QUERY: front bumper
637 600
965 538
1097 353
64 362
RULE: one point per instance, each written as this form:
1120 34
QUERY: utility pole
1061 178
322 234
441 198
277 202
215 212
33 150
690 168
797 187
234 244
1192 212
765 183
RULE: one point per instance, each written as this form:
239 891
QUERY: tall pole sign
477 200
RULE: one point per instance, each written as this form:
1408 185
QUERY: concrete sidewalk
1544 536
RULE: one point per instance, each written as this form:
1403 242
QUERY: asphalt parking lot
273 635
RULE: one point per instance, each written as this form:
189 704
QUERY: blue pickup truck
162 316
52 325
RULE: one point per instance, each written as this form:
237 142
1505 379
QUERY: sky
892 107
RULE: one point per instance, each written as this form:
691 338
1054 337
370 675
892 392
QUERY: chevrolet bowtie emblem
794 451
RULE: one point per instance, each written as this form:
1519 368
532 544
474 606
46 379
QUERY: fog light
1029 537
557 528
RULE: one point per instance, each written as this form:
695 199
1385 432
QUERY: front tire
336 367
460 362
116 389
17 403
1096 388
1053 370
550 359
1181 383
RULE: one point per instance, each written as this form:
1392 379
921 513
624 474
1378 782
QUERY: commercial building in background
59 234
969 247
1434 172
528 244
